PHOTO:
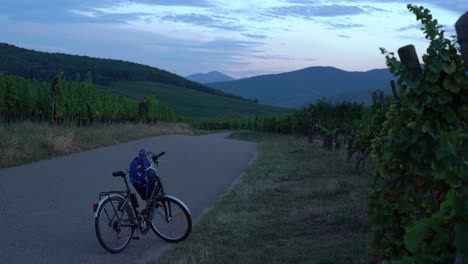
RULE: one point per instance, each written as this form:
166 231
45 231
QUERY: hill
213 76
44 66
297 88
192 103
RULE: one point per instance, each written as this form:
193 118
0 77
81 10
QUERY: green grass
192 103
25 142
297 204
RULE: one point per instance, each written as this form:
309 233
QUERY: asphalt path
46 207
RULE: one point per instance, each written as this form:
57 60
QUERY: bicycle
117 216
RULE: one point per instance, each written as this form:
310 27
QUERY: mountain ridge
300 87
43 66
209 77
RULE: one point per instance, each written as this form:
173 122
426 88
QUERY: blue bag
143 180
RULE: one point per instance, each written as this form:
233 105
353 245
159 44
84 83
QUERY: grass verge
25 142
297 204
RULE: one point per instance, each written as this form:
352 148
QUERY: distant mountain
298 88
44 66
213 76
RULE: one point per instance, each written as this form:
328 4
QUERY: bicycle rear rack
108 194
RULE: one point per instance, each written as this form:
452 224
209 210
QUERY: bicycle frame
156 195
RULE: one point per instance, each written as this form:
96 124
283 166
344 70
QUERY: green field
191 103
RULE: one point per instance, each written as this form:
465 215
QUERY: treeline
321 118
44 66
78 101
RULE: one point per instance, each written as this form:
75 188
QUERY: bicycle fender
178 200
105 199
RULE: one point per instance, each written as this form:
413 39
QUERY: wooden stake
409 58
462 34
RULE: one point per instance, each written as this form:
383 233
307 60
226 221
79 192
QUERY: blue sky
240 38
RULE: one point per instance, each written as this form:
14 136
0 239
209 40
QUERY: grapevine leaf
450 68
451 178
413 239
427 99
441 153
450 115
449 141
418 108
426 127
416 152
451 85
431 88
432 77
408 260
447 206
444 98
435 67
464 173
465 154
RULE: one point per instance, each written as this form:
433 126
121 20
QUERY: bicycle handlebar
156 157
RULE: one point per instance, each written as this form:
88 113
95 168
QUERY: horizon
241 39
317 66
210 71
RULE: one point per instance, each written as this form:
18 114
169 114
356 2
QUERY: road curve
46 207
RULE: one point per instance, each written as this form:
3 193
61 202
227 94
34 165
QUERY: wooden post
462 34
409 58
328 142
54 86
396 97
382 100
375 97
144 109
310 130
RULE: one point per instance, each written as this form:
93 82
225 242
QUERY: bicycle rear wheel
171 220
114 225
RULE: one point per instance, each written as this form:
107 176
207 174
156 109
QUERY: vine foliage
419 201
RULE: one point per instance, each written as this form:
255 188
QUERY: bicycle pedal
136 237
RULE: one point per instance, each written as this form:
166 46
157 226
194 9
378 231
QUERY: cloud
373 8
213 21
199 3
343 36
332 25
94 16
449 29
69 12
50 11
280 57
457 6
410 28
303 1
255 36
311 11
232 45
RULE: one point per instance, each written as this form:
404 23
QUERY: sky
241 38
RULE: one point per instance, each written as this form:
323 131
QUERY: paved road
46 207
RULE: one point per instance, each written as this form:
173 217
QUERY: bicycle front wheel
171 220
114 225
